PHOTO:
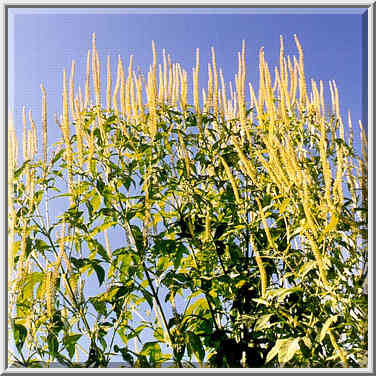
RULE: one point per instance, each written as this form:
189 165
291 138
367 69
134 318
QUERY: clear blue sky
42 42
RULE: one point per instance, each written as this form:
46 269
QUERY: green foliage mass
179 230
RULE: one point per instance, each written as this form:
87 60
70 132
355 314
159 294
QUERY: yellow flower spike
240 83
60 255
184 91
260 265
210 87
87 81
265 224
294 82
160 88
50 293
44 123
117 86
274 160
175 88
91 148
24 134
320 263
133 97
247 164
196 99
325 164
207 226
165 91
302 83
122 90
261 95
78 127
267 166
341 353
232 180
253 97
225 112
65 125
215 89
204 100
33 137
109 82
128 106
21 260
306 206
170 80
107 243
281 57
71 91
140 106
364 142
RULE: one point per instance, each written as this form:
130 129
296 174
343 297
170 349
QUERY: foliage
254 216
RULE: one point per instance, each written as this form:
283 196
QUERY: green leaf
102 228
71 339
284 204
261 301
32 279
179 255
274 351
332 224
165 246
135 332
148 297
99 306
70 343
307 341
288 349
107 212
196 345
159 334
263 322
38 197
125 354
149 346
127 180
306 268
29 246
61 195
282 293
19 335
163 264
100 273
121 251
126 263
18 172
53 344
40 245
198 305
98 247
326 326
57 156
64 360
152 349
96 202
138 238
100 185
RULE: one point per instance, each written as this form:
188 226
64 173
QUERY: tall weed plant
226 232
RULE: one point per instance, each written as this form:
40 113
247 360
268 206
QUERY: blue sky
42 42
